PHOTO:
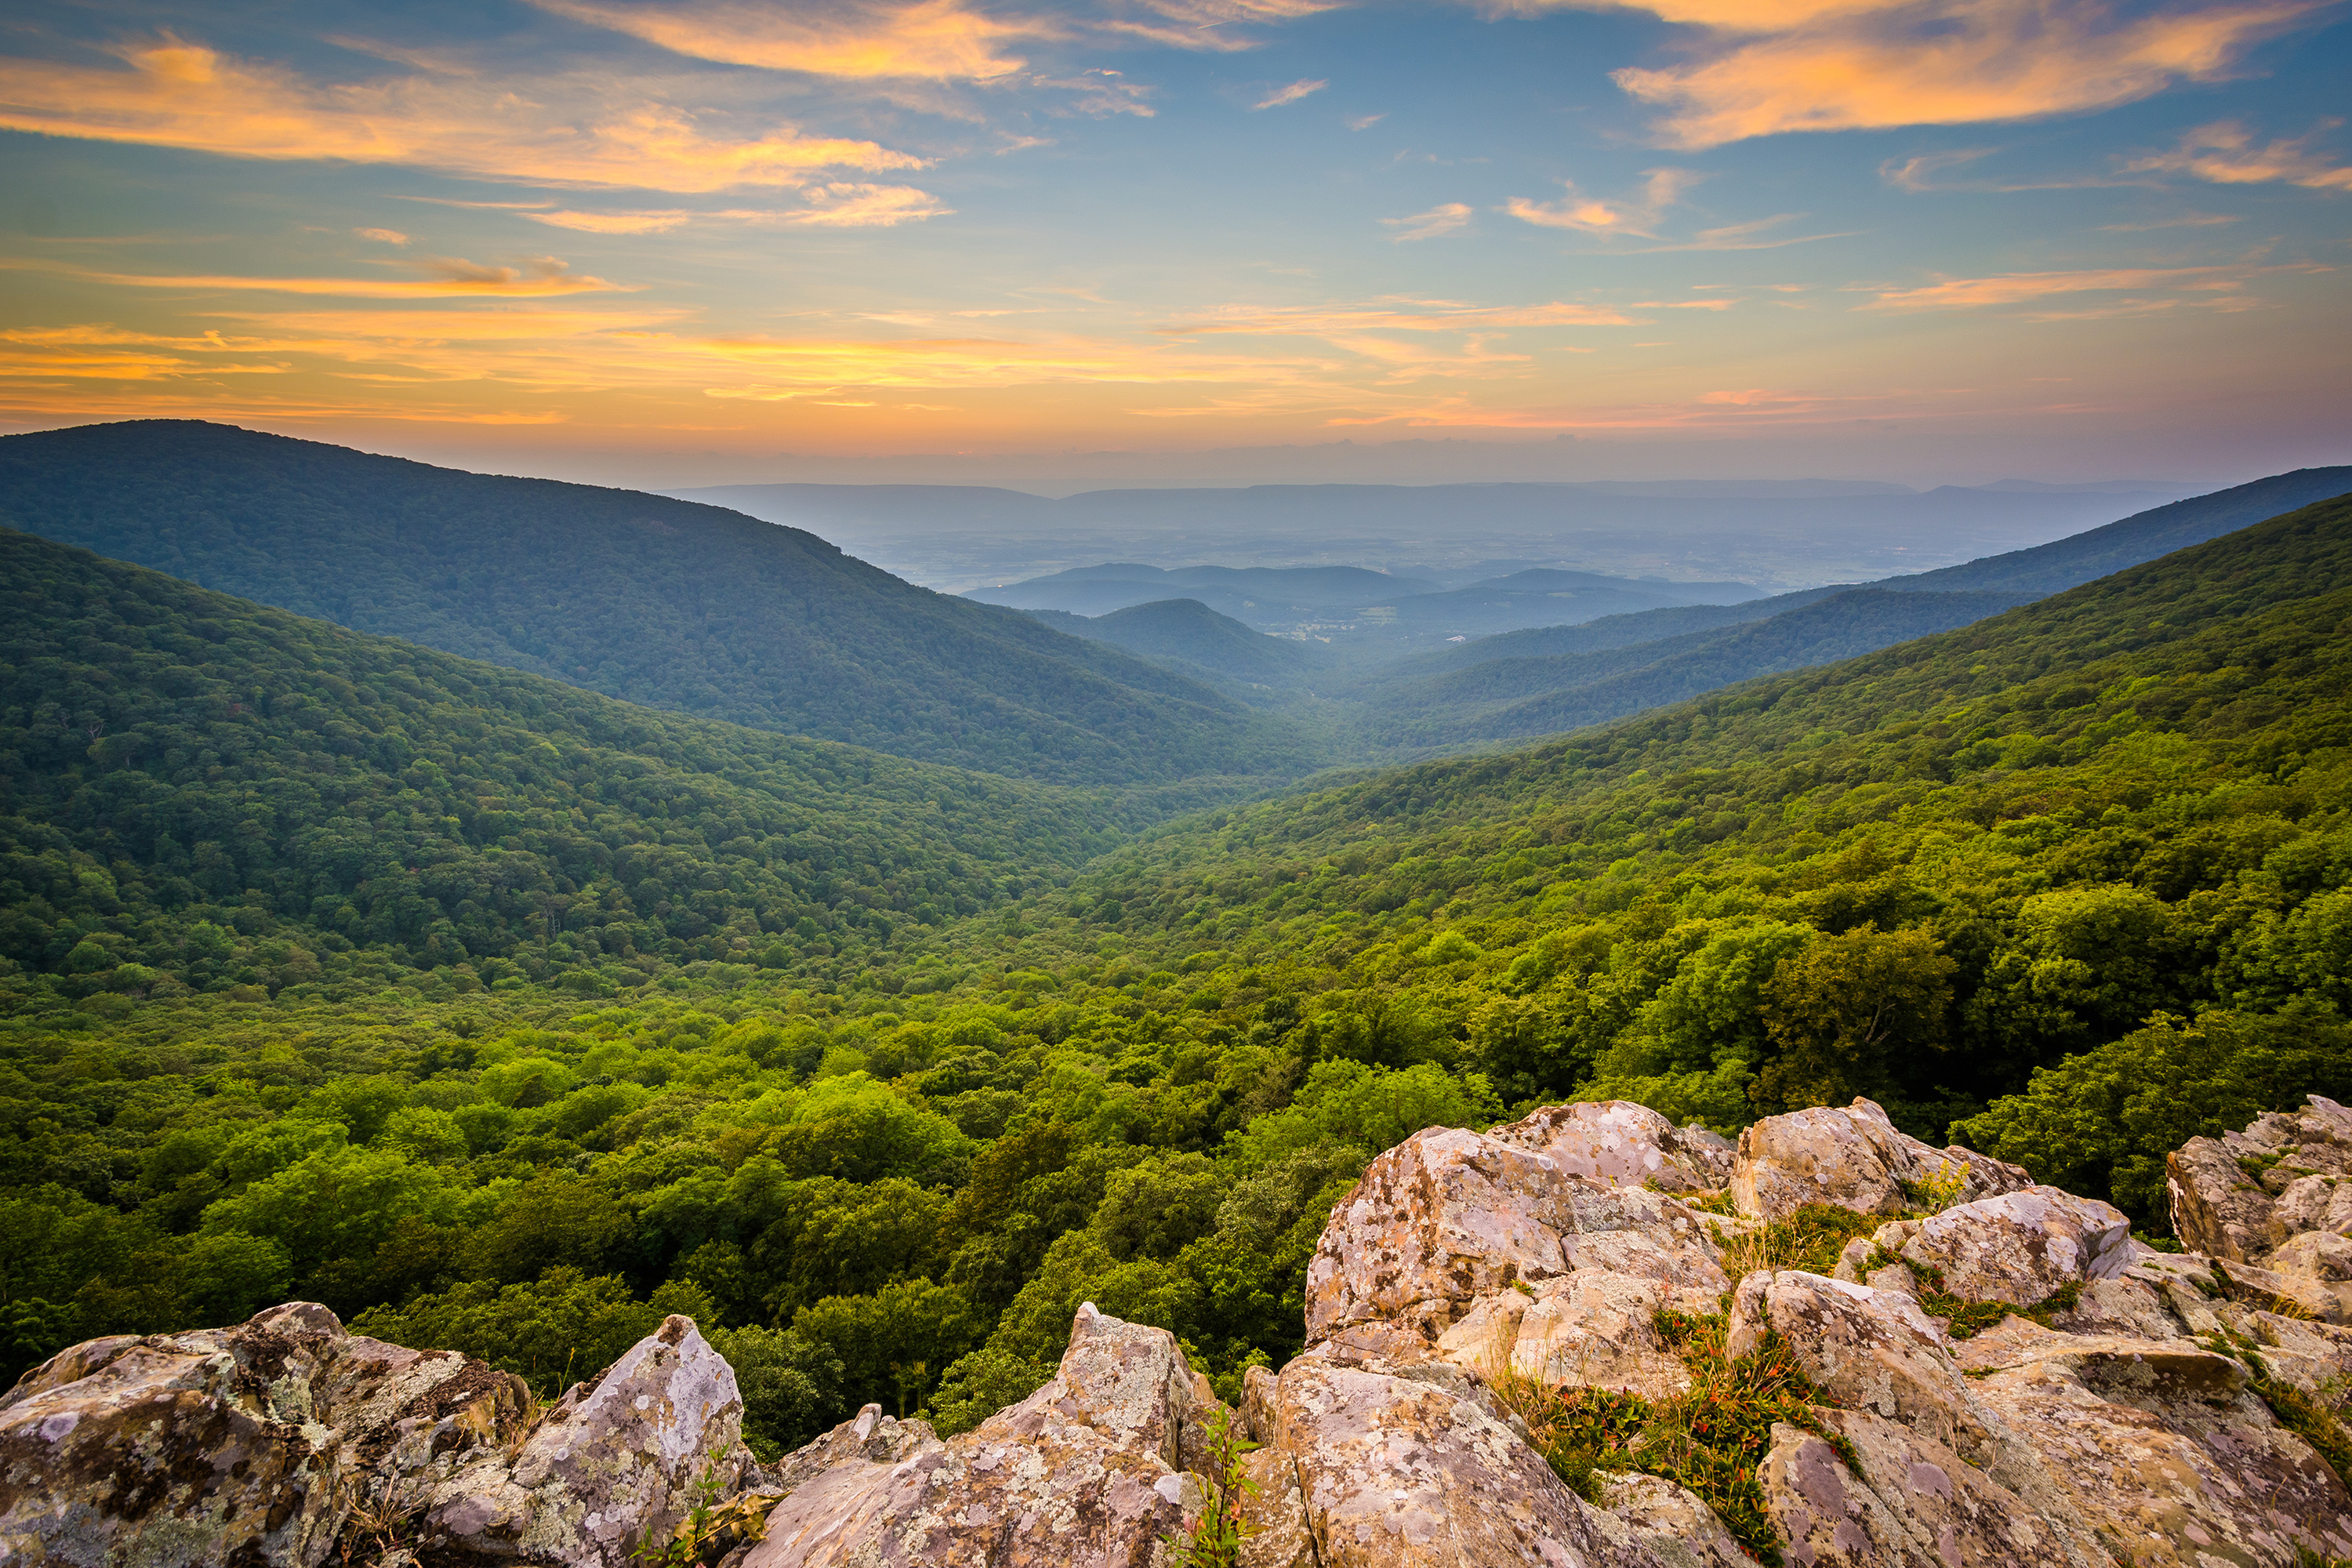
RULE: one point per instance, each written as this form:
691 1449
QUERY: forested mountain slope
1189 632
201 791
2107 836
2027 573
657 601
1508 698
1569 676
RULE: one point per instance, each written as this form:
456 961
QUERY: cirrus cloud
561 133
2224 153
940 40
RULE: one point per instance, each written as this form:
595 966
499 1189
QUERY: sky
1193 241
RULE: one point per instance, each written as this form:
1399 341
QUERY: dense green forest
657 601
2072 883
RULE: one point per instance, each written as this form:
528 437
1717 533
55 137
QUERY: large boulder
2276 1196
1092 1470
245 1445
2161 1443
1449 1217
1852 1157
614 1459
1624 1145
1399 1472
1868 1349
255 1445
2024 1246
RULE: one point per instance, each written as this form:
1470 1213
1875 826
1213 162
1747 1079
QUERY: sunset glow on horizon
671 243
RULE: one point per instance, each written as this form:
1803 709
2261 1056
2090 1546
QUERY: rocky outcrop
1092 1470
1853 1158
2276 1196
2011 1379
258 1444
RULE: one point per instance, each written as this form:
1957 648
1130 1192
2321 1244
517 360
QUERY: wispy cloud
383 235
1639 215
2224 153
177 94
1365 122
2221 287
1838 66
1208 25
1100 92
940 40
445 276
1291 94
1450 217
1398 314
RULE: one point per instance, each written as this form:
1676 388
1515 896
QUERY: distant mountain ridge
644 597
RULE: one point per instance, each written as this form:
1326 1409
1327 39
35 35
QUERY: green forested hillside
2077 879
1518 698
200 792
1186 632
657 601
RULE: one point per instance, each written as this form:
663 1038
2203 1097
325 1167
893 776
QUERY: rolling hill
1552 679
201 791
656 601
1187 634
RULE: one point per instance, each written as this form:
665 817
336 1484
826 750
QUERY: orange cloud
839 205
451 276
2022 288
2225 154
1662 188
1203 24
940 40
177 94
1399 316
1837 67
1288 95
1450 217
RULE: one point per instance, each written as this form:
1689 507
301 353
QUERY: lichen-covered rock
613 1458
1678 1528
1869 1350
2023 1247
1090 1471
1624 1145
869 1435
1949 1511
1595 1328
2159 1444
1448 1217
2251 1197
1852 1157
1399 1473
218 1445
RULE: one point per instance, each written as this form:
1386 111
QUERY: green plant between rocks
1213 1539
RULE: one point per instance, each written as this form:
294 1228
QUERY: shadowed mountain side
387 800
1639 627
1189 631
657 601
1509 699
2065 563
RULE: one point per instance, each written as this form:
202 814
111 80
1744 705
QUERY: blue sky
669 243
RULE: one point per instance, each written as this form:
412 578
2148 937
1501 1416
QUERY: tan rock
1084 1472
2023 1246
612 1459
1676 1526
1949 1512
1447 1217
1594 1328
1853 1158
1872 1350
1397 1473
1827 1514
2216 1208
2159 1445
219 1444
1622 1144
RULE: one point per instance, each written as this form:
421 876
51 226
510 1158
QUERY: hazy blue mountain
1189 632
1509 697
644 597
